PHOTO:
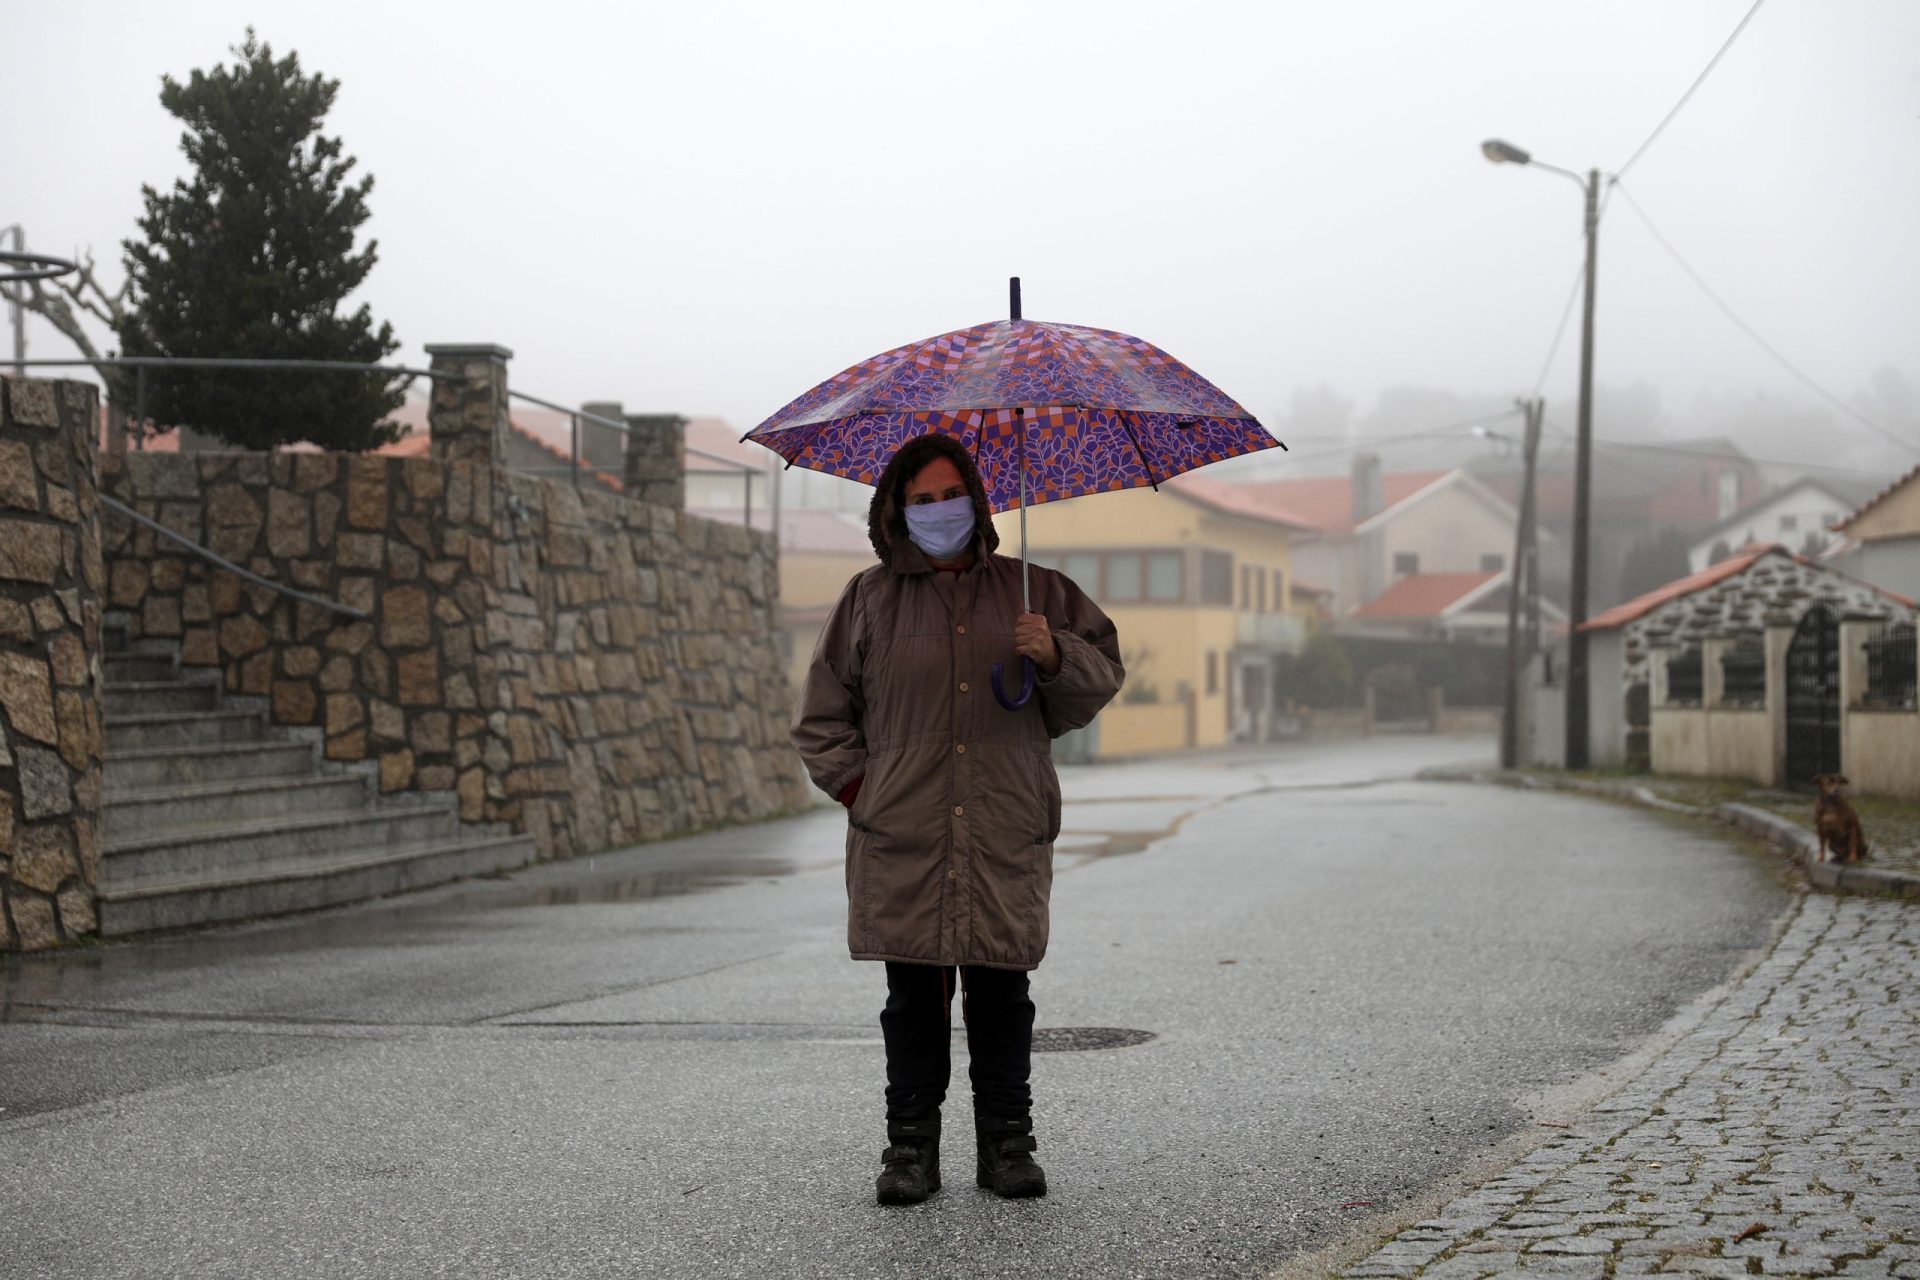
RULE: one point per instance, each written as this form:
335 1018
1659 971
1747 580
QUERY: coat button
952 874
962 628
960 748
963 686
959 811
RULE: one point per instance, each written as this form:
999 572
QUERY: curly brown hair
886 518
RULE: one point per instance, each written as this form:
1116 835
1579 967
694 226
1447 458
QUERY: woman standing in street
952 801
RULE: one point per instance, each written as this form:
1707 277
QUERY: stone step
152 697
302 884
183 729
152 767
200 805
121 668
231 848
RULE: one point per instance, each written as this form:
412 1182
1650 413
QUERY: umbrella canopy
1086 410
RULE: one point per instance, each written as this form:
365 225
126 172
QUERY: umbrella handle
1026 685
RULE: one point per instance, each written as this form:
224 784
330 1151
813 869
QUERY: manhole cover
1075 1039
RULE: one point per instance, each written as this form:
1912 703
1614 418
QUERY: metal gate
1813 698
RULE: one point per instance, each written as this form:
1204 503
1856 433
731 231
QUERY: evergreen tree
253 257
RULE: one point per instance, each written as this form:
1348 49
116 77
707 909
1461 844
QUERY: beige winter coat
950 840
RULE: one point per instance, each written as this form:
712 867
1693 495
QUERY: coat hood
886 521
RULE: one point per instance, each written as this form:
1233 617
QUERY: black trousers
999 1018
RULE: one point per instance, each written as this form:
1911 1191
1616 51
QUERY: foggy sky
710 207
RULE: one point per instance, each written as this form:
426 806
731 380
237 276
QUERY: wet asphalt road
661 1062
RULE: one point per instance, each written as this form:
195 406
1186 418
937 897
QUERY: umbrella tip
1013 296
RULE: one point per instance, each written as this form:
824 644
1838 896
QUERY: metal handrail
576 416
248 362
123 509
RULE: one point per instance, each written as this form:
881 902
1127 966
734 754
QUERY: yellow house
1198 578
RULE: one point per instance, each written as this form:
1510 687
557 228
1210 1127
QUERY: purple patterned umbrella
1048 410
1072 410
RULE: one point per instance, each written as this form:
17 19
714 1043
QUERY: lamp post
1578 735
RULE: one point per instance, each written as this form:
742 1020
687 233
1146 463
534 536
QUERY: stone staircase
213 814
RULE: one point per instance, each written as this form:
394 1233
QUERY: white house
1798 517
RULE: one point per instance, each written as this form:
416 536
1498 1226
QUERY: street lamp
1578 736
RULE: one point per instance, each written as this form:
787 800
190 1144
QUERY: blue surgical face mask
941 529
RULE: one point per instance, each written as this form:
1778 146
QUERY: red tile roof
1621 614
1326 502
1233 499
1424 595
1874 501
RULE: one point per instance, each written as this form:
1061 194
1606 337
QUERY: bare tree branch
56 307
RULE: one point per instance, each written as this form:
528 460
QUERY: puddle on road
663 883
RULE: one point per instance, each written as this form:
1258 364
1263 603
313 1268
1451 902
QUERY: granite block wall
50 580
593 670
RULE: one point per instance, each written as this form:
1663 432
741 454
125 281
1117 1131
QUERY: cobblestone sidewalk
1779 1137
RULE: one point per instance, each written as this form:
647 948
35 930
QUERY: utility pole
1524 568
1579 738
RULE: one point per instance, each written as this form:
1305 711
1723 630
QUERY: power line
1369 441
1697 82
1753 333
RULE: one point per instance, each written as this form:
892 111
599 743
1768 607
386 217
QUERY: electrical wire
1753 333
1697 82
1371 441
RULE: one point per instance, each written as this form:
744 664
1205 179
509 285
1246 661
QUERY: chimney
1369 496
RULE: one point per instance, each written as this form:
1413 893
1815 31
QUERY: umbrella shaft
1026 595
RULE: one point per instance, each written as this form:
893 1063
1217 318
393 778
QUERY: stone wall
50 581
593 670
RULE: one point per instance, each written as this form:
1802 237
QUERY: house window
1279 591
1246 585
1124 578
1729 493
1213 671
1165 577
1084 569
1216 578
1492 563
1405 562
1259 592
1789 522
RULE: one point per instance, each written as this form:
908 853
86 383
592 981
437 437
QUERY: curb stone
1790 838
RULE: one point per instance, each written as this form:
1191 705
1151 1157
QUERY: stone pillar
603 448
1855 631
656 459
1780 629
1713 676
468 419
50 581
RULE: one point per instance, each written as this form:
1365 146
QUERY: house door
1813 698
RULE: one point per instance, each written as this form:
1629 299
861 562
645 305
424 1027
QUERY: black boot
1006 1165
912 1171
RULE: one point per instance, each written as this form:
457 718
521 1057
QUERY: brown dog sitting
1837 823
